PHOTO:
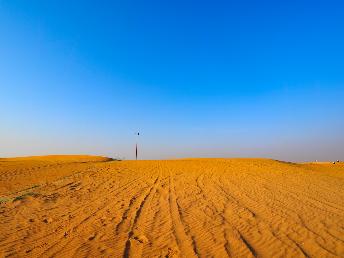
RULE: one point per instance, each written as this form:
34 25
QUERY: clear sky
196 78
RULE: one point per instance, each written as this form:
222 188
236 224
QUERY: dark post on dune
136 144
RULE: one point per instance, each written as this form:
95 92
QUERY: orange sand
84 206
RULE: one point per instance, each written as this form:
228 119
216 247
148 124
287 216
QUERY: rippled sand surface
84 206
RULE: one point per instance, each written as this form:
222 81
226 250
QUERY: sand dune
86 207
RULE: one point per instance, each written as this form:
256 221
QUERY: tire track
185 244
136 236
176 208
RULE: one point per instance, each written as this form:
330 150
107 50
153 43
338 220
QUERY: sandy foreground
84 206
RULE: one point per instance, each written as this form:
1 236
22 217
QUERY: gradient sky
196 78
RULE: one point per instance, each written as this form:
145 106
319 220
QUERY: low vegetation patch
23 196
4 199
19 195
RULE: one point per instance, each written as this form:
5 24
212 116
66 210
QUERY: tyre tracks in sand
176 208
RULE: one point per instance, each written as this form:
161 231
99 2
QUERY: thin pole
136 152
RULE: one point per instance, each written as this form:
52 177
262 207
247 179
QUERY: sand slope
79 207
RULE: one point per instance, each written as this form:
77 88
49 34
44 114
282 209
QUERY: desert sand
84 206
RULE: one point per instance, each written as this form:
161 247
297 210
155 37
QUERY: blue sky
196 78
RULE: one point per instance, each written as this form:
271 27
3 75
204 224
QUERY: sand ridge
94 207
